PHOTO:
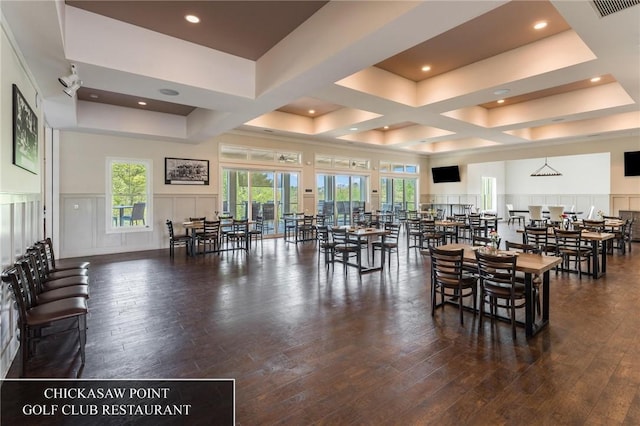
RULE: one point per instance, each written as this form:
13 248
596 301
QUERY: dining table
292 224
530 265
595 240
450 227
226 225
366 235
121 209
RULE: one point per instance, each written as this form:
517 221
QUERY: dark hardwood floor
307 345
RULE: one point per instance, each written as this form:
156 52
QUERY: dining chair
28 263
268 215
198 221
48 274
520 277
556 215
535 216
389 243
464 231
481 240
209 237
33 319
56 265
345 248
569 246
512 216
539 237
430 234
476 225
137 214
175 240
498 286
326 245
449 279
238 236
306 229
593 225
256 233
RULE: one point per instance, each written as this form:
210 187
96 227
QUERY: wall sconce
71 82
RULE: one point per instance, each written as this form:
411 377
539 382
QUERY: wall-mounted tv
632 163
445 174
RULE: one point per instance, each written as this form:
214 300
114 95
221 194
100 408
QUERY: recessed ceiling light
540 25
312 111
386 127
501 92
595 79
169 92
192 18
93 96
500 101
143 103
426 68
353 129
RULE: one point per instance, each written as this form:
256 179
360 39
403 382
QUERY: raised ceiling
264 65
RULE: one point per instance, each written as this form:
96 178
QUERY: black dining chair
177 240
34 319
389 243
499 287
450 280
257 232
345 248
209 237
326 245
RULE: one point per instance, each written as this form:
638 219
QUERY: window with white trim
129 198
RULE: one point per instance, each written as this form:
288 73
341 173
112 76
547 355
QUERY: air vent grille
607 7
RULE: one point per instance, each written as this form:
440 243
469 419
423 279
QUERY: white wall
21 221
588 186
82 170
581 174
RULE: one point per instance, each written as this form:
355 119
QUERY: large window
267 193
398 193
129 197
340 195
489 196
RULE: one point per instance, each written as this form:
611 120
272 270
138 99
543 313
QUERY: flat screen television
445 174
632 163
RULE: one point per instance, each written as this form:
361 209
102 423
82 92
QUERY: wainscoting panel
21 224
83 223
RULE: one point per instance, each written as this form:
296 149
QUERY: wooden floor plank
309 345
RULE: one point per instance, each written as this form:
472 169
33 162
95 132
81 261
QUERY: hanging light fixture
546 170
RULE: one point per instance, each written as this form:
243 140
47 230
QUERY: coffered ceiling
338 71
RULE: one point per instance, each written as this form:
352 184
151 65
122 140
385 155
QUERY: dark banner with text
51 402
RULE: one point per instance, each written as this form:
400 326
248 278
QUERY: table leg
529 306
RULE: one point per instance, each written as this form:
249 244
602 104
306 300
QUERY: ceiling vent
607 7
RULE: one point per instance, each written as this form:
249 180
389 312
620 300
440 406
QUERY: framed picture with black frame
25 133
185 171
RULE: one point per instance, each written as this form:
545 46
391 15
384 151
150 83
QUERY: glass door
247 194
398 193
340 195
287 196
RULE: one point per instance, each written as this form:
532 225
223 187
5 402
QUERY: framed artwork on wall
25 133
185 171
